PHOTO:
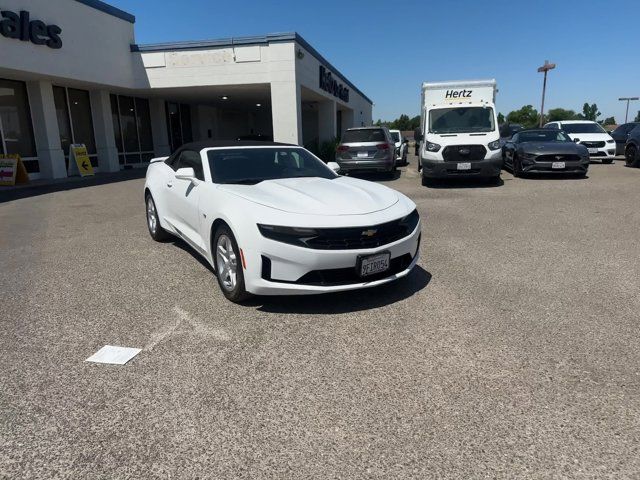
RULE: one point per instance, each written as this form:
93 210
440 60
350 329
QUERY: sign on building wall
12 170
329 84
19 26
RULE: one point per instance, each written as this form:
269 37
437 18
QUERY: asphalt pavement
511 351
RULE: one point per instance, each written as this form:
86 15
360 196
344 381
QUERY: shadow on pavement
42 187
463 183
376 176
346 302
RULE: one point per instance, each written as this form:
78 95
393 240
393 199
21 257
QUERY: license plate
464 166
373 264
558 165
593 150
363 154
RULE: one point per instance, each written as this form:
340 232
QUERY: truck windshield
461 120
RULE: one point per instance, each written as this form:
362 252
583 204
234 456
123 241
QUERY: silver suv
366 148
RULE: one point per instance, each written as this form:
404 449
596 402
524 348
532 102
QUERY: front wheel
156 231
229 268
516 169
631 156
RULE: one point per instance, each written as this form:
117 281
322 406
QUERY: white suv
401 147
590 134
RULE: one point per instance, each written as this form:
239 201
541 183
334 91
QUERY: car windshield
461 120
253 165
543 136
363 135
395 136
586 127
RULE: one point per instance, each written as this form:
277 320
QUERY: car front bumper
535 166
278 268
488 167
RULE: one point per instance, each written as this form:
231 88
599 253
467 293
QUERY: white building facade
71 72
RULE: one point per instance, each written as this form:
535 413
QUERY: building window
179 124
73 109
132 129
16 130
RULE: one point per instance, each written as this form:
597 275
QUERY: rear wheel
631 156
228 261
158 233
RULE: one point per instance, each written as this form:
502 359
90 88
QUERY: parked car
544 150
508 129
402 145
273 219
256 137
620 135
366 148
632 148
591 135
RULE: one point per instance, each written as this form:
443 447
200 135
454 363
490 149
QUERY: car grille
558 158
593 144
356 238
463 153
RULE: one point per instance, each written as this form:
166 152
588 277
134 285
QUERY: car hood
318 196
551 148
590 137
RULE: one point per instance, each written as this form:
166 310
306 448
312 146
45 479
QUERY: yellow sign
12 170
82 162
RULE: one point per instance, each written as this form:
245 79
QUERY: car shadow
345 302
182 245
376 176
451 183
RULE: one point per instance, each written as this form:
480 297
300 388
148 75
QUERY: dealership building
71 72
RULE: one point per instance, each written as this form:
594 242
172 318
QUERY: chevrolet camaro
273 219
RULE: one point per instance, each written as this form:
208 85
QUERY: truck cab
459 130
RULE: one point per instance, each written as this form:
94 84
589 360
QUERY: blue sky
389 48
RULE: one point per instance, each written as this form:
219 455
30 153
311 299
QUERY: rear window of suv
586 127
363 135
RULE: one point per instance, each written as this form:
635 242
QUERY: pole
544 89
626 113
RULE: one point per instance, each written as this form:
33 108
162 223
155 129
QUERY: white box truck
459 130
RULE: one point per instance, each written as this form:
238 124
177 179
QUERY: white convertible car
273 219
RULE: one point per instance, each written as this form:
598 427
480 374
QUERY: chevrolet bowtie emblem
369 233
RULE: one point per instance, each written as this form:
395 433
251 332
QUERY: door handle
169 184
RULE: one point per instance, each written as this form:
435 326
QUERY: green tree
609 121
527 116
500 118
559 114
415 122
590 112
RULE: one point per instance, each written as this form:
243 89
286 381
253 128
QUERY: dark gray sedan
544 150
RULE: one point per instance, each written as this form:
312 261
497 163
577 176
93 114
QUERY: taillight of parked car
382 146
342 148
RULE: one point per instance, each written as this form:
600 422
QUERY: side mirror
405 140
186 174
335 166
576 140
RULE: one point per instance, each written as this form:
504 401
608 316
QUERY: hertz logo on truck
451 94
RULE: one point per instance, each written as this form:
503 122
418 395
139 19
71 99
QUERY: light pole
545 68
627 99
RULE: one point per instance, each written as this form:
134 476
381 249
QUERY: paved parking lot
512 351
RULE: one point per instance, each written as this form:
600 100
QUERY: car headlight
292 235
610 141
410 221
494 145
433 147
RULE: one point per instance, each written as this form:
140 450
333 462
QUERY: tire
425 181
515 168
607 161
631 156
229 269
156 231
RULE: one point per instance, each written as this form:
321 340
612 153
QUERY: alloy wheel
152 216
226 263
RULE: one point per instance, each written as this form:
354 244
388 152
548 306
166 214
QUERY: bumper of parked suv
376 165
490 166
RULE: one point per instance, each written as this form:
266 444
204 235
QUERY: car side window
191 159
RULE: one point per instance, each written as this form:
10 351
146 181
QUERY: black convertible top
197 146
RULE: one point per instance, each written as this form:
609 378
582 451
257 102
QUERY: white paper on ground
114 355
